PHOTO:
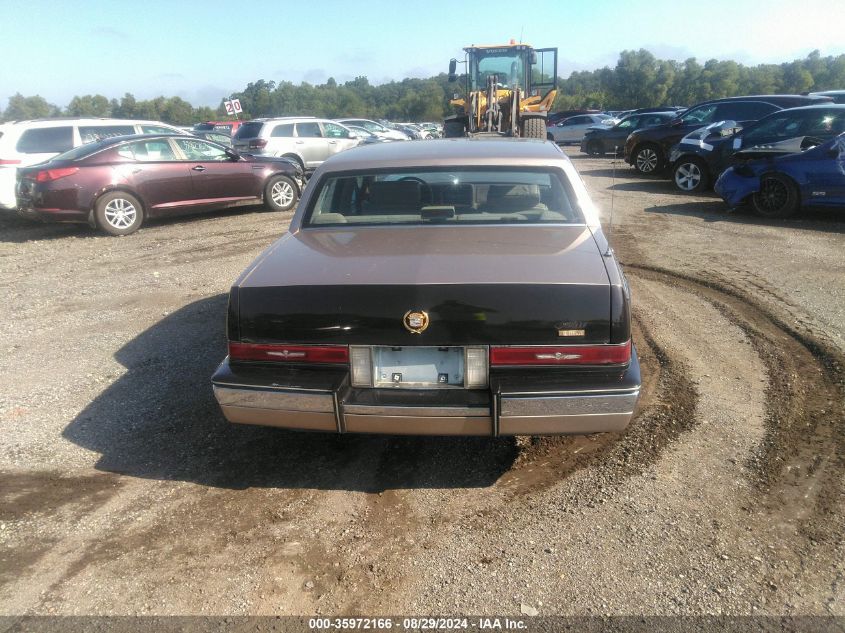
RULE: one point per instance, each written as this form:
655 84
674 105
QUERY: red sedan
116 184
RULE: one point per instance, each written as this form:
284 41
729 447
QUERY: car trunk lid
479 285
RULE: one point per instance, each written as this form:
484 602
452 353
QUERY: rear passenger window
309 130
91 133
46 140
283 130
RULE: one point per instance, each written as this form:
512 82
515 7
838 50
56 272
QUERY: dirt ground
125 492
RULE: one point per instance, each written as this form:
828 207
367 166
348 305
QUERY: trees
639 79
21 108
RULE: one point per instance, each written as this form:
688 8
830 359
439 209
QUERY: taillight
46 175
9 161
257 143
562 355
274 353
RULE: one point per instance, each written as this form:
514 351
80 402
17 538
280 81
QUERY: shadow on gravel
160 421
813 218
14 229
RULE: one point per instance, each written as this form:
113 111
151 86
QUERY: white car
306 140
572 130
376 128
24 143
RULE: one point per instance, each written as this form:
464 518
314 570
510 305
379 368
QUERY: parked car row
776 152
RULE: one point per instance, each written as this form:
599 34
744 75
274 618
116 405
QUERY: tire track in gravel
798 464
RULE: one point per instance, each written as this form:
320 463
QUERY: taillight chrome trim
560 355
280 353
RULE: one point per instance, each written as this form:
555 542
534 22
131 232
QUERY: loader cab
533 71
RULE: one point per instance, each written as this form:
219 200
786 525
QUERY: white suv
24 143
307 140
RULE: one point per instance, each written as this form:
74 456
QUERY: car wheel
594 148
534 128
778 197
690 175
280 193
118 213
646 159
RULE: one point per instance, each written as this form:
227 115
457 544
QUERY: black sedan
117 183
601 139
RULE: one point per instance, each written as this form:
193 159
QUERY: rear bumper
311 400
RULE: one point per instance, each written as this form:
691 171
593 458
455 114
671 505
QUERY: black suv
705 153
648 149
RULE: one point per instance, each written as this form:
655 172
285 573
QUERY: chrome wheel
688 176
646 160
120 213
282 193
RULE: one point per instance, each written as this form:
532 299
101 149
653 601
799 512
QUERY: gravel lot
125 492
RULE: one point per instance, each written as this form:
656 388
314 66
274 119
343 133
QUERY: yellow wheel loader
508 91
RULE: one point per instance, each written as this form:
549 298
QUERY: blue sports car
780 178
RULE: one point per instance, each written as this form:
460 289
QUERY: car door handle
332 142
198 168
300 142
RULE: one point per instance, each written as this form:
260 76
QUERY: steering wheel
425 185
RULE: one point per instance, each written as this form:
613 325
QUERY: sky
202 51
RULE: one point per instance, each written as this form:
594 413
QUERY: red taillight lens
562 355
257 143
9 161
46 175
289 353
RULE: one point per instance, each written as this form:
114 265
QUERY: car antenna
612 194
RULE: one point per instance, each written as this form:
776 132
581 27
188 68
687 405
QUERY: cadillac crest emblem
415 321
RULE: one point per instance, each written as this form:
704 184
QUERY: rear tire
778 197
454 129
534 127
280 193
118 213
690 175
647 159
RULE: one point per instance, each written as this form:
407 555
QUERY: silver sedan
572 130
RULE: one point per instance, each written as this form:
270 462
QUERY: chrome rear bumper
316 402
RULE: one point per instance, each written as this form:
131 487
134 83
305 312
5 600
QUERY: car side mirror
533 58
352 135
737 142
453 64
233 155
834 152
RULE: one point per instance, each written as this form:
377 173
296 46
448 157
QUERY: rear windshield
46 140
482 196
250 129
215 127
